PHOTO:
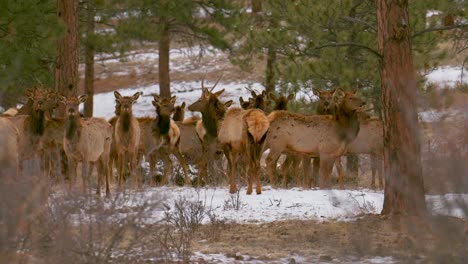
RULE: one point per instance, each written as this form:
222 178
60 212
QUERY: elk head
72 104
327 101
351 103
245 104
123 104
179 112
164 106
39 98
281 102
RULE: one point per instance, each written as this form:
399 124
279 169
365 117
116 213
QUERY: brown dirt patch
443 239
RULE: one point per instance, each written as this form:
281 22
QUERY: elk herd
34 141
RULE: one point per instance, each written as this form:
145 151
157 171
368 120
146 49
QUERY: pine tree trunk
164 46
404 189
66 69
89 59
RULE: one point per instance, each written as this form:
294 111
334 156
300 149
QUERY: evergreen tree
28 33
185 20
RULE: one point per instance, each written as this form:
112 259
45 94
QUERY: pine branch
349 44
439 29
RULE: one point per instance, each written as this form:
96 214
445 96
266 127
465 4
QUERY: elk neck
73 128
348 124
162 125
211 115
37 121
125 121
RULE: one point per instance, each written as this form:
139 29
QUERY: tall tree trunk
66 69
89 59
270 78
404 188
164 46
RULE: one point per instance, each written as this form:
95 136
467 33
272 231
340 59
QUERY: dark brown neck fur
72 128
126 119
348 124
213 112
162 125
37 122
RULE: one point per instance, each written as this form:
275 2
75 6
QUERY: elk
368 141
9 140
179 112
166 136
87 141
126 135
236 130
323 136
281 102
31 128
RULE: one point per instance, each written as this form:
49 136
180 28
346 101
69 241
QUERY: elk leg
316 170
326 166
340 170
71 172
285 168
167 167
271 161
183 163
134 171
296 167
306 171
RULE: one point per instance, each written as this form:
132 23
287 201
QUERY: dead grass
369 236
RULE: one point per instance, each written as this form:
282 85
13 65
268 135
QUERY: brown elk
31 127
87 141
281 102
166 136
179 112
368 141
238 131
9 140
126 136
323 136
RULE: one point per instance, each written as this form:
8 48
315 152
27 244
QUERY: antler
216 83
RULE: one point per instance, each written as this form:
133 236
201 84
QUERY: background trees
28 32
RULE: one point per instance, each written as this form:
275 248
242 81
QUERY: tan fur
10 112
86 141
323 136
9 139
127 141
239 132
370 141
201 131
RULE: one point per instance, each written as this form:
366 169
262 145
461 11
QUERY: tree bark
404 188
89 59
66 69
164 46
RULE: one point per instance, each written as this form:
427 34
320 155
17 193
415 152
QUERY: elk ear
155 103
316 91
290 97
332 91
182 105
156 98
218 93
241 100
338 92
135 96
83 98
118 96
253 94
173 99
354 91
63 100
228 103
29 92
